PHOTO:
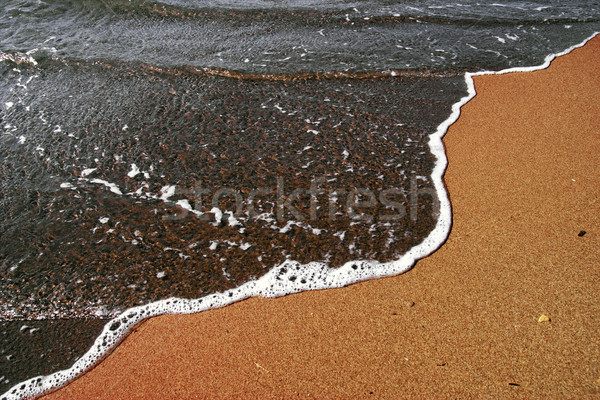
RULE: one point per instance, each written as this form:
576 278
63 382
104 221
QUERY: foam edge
286 278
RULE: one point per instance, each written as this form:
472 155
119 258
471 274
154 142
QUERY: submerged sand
524 182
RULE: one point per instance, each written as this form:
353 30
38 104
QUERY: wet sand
524 181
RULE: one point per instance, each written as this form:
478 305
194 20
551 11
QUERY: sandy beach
507 308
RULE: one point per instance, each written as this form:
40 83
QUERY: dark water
299 36
181 148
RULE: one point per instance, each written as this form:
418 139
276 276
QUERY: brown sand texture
466 322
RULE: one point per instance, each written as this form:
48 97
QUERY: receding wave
132 142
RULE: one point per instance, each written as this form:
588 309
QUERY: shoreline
261 307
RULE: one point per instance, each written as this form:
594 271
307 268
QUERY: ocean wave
271 39
302 13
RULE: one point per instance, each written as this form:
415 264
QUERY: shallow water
308 170
182 148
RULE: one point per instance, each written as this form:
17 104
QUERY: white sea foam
113 187
286 278
67 185
167 191
134 169
87 172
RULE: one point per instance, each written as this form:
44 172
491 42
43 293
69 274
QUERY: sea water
181 155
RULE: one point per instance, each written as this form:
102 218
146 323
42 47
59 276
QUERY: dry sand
524 180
